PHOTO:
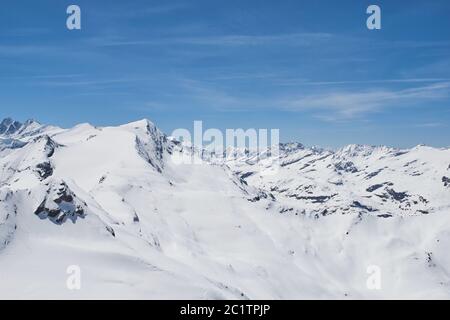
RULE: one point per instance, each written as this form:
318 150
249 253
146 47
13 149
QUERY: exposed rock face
141 148
8 215
374 187
346 167
9 126
10 144
291 147
446 181
44 170
49 145
61 204
151 143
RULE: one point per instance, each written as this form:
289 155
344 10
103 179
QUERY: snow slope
112 201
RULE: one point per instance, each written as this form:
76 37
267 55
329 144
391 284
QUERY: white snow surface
305 225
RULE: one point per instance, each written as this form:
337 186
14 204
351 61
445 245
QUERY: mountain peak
7 120
30 122
9 126
291 146
356 150
143 123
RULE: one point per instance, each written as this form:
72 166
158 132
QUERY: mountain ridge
113 201
146 121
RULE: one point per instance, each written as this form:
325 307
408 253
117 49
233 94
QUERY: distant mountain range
307 224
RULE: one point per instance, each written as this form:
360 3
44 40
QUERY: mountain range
306 223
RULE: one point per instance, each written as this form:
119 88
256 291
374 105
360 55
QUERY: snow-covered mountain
112 201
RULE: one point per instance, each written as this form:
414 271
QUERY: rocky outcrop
61 204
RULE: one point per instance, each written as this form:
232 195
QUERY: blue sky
310 68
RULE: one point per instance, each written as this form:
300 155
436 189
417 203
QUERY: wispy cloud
334 105
340 105
91 82
27 50
164 8
211 97
305 82
62 51
134 12
330 40
24 32
429 125
46 76
295 39
292 39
